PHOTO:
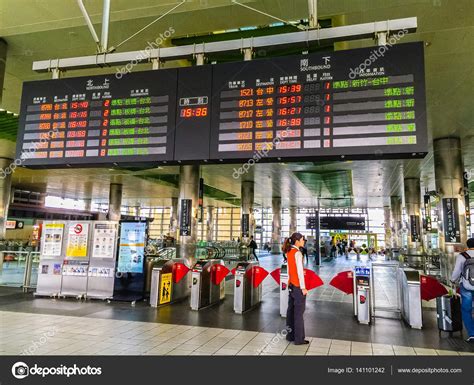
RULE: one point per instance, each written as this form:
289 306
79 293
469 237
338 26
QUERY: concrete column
387 227
396 221
189 189
449 184
88 205
293 220
115 201
5 191
174 218
247 198
210 224
276 225
413 207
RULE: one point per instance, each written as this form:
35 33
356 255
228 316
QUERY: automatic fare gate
208 283
169 282
248 277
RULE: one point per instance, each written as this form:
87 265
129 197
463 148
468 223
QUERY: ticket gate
169 282
283 290
410 295
363 292
247 289
208 283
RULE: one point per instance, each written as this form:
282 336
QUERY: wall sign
245 225
185 217
452 232
415 228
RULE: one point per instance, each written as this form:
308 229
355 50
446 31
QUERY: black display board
98 120
193 121
245 225
452 231
312 106
312 223
415 228
342 223
185 217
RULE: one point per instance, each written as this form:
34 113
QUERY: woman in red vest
297 290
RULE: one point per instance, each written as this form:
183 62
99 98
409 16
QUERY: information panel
98 119
354 104
132 247
321 105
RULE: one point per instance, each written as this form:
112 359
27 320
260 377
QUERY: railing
429 264
19 268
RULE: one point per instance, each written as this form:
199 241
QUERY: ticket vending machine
51 259
101 274
247 290
169 282
283 290
363 294
205 290
76 262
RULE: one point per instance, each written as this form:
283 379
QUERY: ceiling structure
48 29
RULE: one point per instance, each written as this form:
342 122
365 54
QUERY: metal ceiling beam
344 33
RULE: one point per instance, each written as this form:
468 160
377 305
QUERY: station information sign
99 119
354 104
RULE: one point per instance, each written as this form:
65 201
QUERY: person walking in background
304 250
464 274
296 289
253 246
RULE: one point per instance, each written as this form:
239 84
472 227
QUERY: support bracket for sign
334 34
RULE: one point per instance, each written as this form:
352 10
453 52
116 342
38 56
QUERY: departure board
315 106
355 104
99 119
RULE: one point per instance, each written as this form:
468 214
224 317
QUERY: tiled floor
96 327
41 334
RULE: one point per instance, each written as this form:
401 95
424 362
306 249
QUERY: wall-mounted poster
132 247
78 236
105 235
53 240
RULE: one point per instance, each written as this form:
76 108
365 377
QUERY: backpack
468 268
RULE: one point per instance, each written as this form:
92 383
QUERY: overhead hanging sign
342 223
314 106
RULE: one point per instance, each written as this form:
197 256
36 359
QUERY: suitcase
448 313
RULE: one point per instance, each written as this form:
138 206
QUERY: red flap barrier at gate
218 273
431 288
179 271
344 281
312 280
276 275
233 270
259 274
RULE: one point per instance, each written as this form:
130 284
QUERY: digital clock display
193 112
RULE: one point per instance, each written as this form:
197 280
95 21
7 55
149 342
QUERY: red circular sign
78 228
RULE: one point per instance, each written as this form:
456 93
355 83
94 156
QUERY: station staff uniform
296 299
